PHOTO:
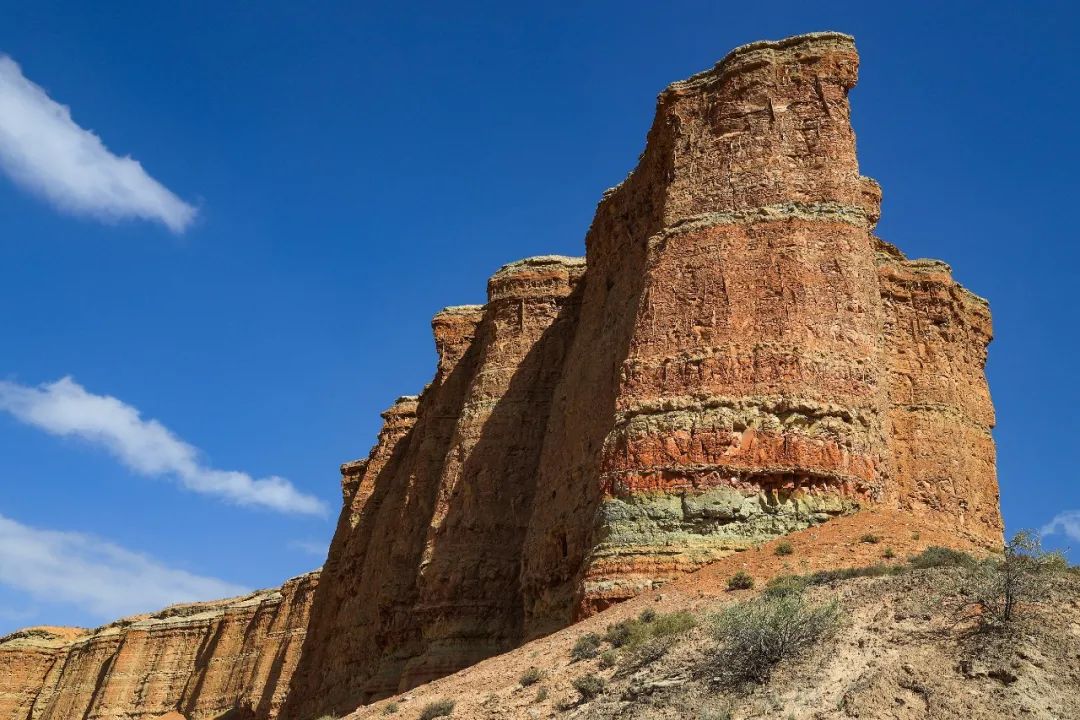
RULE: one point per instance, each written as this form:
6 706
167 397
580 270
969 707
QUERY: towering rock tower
737 358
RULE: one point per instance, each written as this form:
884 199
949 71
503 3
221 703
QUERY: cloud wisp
1066 523
44 150
95 575
66 409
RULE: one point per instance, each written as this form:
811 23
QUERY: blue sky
314 182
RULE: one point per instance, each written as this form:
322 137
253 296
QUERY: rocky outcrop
231 658
737 358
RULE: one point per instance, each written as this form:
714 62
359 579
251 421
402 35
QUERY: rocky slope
737 358
203 660
896 656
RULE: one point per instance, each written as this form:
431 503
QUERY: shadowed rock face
738 357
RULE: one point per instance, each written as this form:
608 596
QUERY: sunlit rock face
736 358
229 658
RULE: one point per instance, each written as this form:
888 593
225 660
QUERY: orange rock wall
231 658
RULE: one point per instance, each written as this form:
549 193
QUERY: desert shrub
870 538
531 676
608 658
916 536
784 548
889 553
754 636
589 686
996 591
740 581
936 556
669 624
626 633
542 694
586 647
439 708
391 709
783 585
647 615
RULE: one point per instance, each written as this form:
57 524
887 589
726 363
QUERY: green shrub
784 548
390 709
439 708
589 686
586 647
740 581
675 623
996 591
783 585
608 658
647 615
626 633
870 538
754 636
889 553
542 694
531 676
935 556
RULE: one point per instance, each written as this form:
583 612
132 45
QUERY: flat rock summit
738 357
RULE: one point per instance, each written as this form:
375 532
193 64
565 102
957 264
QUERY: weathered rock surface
741 359
230 658
737 358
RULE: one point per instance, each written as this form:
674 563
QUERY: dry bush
589 686
754 636
439 708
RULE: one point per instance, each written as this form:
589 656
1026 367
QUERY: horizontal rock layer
225 659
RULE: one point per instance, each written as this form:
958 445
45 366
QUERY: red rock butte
737 357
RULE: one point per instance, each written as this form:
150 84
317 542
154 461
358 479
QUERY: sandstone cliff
737 358
230 658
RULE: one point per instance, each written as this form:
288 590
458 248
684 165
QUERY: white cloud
65 408
45 151
1067 523
95 575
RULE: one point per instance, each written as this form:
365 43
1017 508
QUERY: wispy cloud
65 408
45 151
1067 523
95 575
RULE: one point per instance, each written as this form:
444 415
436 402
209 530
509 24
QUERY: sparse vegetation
937 556
784 548
647 615
784 585
754 636
439 708
531 676
542 694
916 536
870 538
740 581
586 647
996 591
889 553
589 686
608 658
391 709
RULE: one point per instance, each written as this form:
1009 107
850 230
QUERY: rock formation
230 658
738 357
742 358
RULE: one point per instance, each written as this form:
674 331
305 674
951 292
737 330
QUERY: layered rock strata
738 357
741 358
226 659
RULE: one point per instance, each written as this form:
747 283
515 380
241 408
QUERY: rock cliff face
738 357
226 659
